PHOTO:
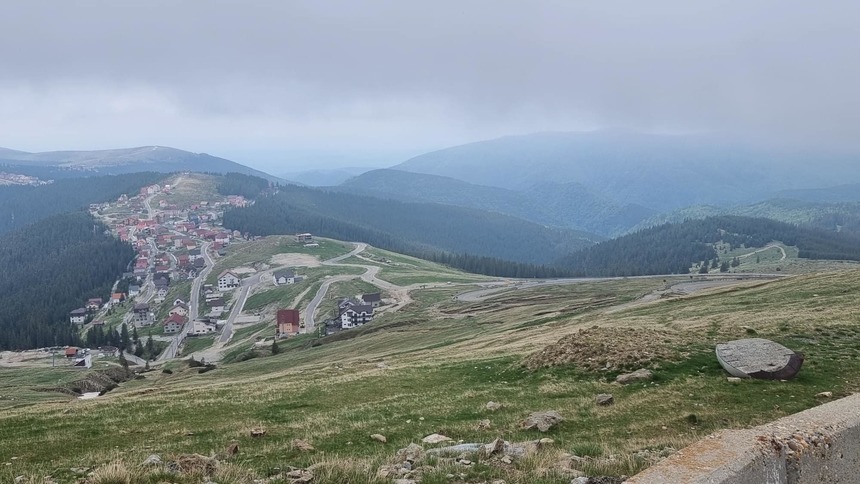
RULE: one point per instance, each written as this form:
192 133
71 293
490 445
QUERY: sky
290 85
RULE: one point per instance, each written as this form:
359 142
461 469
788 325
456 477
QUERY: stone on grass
302 445
637 376
484 424
152 460
605 399
232 449
824 395
410 453
733 379
258 432
436 439
379 438
495 447
493 406
543 421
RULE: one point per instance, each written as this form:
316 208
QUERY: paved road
193 306
310 312
236 310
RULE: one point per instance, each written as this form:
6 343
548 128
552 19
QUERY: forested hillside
569 205
23 205
408 227
842 216
673 248
49 269
240 184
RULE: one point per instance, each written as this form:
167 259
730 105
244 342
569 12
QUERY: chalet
117 298
142 315
284 276
287 322
98 322
199 264
161 293
78 316
356 315
133 290
183 261
222 238
227 280
373 299
304 238
193 255
72 352
178 309
174 324
94 304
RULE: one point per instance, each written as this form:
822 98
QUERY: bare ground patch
295 260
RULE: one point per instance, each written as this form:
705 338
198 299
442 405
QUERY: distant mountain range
659 172
568 205
128 160
324 177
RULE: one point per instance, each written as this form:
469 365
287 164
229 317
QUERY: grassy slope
447 359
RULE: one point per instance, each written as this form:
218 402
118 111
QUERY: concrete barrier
819 445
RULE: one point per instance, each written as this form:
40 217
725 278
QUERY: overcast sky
285 84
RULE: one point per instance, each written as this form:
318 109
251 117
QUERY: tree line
50 268
673 248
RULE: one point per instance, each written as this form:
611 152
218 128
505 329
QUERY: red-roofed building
288 322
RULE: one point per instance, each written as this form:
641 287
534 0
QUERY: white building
227 280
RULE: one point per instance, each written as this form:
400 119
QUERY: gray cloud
391 76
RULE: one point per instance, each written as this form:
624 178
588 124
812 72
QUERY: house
78 316
94 304
161 293
373 299
227 280
133 290
287 322
304 238
72 352
284 276
178 301
356 315
200 328
193 255
142 316
217 305
174 323
179 309
117 298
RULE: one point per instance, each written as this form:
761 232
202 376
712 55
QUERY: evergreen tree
724 267
124 340
275 348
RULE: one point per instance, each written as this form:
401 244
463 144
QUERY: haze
284 86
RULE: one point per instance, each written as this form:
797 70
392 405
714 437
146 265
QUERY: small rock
543 421
580 480
493 406
733 379
386 472
258 432
404 481
495 447
824 395
498 481
302 445
637 376
381 366
410 453
232 449
605 399
466 462
546 441
152 460
436 439
379 438
507 459
484 424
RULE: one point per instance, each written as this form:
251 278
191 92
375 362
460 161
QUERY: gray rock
379 438
543 421
493 406
605 399
152 460
456 449
637 376
579 480
410 453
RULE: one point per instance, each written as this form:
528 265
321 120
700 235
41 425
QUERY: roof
117 295
95 299
79 312
180 305
361 308
175 319
141 307
288 316
373 297
286 273
227 272
217 302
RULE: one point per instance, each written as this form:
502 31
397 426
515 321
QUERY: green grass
445 361
197 343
